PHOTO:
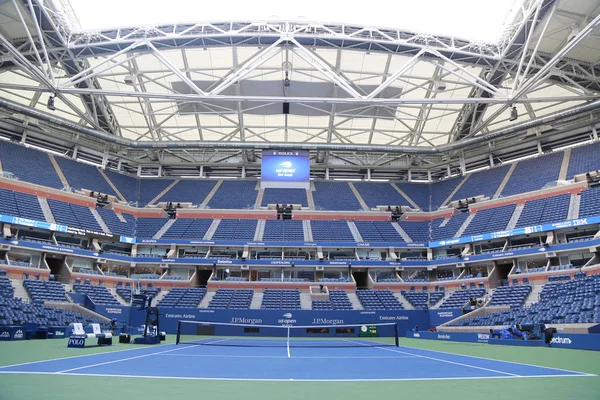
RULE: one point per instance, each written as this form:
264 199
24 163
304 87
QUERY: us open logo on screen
285 169
18 334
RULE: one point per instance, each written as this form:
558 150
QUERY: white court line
130 358
301 380
440 360
83 355
504 361
247 356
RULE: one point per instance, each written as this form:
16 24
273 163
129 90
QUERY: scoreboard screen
285 169
368 331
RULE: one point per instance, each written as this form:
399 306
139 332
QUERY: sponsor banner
77 342
49 226
566 341
127 239
58 332
32 223
440 316
169 317
518 231
576 341
297 263
469 337
120 313
278 244
12 333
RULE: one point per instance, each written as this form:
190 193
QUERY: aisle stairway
207 298
534 296
404 302
20 291
305 301
356 304
256 300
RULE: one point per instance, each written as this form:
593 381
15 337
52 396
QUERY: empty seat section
380 194
37 169
441 190
419 300
417 230
339 300
189 228
584 159
379 300
115 225
435 298
449 230
235 194
332 195
84 176
29 206
546 210
590 203
419 193
562 302
281 230
146 228
73 215
378 231
22 205
8 203
98 294
189 191
490 220
45 290
235 229
459 298
150 188
183 297
531 214
331 231
533 174
482 183
281 299
284 196
125 184
513 296
13 311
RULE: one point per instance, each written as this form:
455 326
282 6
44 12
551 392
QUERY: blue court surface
274 361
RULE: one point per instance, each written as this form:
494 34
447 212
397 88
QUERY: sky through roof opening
474 20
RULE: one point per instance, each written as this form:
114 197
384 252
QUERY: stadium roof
350 85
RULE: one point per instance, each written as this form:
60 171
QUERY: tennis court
274 360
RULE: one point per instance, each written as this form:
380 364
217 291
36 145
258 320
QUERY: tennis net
207 333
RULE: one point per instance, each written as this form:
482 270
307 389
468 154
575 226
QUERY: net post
178 332
396 334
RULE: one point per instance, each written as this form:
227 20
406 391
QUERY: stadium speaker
286 108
